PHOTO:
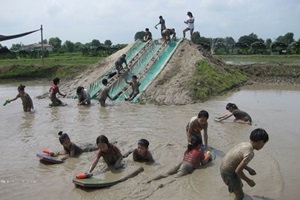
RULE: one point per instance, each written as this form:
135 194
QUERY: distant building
31 47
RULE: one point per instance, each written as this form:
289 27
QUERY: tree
107 43
296 47
95 43
44 41
15 47
278 46
241 47
55 43
139 35
268 43
258 47
249 39
69 46
78 46
229 42
288 38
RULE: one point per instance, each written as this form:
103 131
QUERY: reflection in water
26 134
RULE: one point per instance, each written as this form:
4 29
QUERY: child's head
160 17
196 142
64 139
142 146
79 90
203 117
104 81
259 137
147 29
21 88
56 81
189 14
134 78
231 107
124 55
102 143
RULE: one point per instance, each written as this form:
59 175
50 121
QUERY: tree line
93 48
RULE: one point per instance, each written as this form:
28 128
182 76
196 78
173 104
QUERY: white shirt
190 22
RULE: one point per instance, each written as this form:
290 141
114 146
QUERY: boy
166 34
135 88
162 24
238 158
103 93
148 35
55 90
119 62
196 124
141 153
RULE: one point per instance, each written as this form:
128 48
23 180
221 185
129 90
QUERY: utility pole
42 44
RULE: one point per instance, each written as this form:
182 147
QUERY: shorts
184 169
102 102
232 180
189 29
134 94
55 101
247 119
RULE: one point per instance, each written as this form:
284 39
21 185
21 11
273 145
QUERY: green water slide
130 56
148 68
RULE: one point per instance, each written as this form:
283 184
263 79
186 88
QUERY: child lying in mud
141 153
240 116
70 148
193 158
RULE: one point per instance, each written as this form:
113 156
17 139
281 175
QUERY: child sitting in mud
196 124
193 158
141 153
83 96
238 158
110 153
71 149
240 116
135 84
26 100
53 91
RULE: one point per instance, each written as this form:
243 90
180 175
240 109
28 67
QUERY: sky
119 20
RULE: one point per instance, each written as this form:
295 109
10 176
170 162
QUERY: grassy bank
261 59
64 66
210 79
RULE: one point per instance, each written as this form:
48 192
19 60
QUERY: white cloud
117 20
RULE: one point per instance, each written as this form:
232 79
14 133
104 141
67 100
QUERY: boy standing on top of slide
238 158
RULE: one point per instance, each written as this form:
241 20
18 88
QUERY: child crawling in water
141 153
240 116
110 153
70 148
26 100
192 159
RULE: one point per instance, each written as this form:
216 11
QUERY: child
238 158
53 91
103 93
148 35
240 116
26 100
110 153
193 157
135 88
119 62
190 24
141 153
83 96
196 124
71 149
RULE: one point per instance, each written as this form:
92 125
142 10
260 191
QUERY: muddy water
23 135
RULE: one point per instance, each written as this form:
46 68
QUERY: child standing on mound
135 84
196 124
110 153
240 116
238 159
26 100
193 158
141 153
70 149
55 90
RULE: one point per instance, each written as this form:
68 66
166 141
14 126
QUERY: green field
261 59
62 65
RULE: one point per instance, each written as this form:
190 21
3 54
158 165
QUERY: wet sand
23 135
